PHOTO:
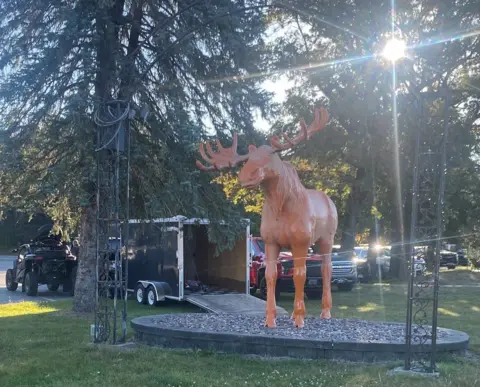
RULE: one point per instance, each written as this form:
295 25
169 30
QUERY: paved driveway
7 297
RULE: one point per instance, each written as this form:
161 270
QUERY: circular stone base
353 340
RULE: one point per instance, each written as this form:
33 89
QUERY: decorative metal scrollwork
426 229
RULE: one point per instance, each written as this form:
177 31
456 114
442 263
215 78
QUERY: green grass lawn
46 345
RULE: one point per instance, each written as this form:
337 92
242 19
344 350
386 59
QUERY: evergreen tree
61 61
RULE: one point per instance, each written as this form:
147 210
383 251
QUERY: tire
151 296
9 281
451 267
263 289
141 294
366 276
345 287
72 280
53 287
31 284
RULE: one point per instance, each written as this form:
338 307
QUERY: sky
279 88
282 84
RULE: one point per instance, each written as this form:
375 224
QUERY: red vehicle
344 273
257 268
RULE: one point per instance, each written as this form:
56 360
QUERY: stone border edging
274 346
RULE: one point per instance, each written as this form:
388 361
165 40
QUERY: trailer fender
162 289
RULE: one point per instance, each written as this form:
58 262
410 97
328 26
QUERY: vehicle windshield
338 255
360 252
261 245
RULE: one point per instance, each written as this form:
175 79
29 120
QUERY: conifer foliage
60 60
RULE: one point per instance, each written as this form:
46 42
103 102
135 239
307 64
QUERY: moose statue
293 217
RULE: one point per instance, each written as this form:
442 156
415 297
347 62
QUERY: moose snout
250 178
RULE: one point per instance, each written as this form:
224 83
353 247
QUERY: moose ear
252 148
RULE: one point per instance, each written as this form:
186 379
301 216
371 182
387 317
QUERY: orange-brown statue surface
293 217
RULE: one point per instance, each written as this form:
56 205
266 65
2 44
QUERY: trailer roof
178 218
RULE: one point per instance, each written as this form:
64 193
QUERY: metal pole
97 241
116 190
413 224
441 197
127 226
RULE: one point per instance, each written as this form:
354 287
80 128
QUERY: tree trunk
353 210
400 233
84 298
106 56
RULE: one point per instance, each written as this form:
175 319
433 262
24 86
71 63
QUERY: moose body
293 217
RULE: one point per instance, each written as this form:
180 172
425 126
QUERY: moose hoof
325 315
299 322
270 322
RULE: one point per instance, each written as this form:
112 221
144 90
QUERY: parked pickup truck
344 271
448 258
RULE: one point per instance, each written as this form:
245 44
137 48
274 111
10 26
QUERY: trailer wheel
151 296
140 294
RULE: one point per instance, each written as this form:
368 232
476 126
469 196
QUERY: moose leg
326 251
299 276
272 251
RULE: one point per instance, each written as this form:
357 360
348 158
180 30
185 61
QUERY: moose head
262 163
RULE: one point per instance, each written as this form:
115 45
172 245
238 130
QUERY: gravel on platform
323 330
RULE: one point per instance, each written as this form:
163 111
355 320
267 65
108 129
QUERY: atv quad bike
45 260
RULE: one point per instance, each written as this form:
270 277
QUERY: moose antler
321 119
223 158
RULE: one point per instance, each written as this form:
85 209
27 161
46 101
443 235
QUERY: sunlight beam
461 36
310 66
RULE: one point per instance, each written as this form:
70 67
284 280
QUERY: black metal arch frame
426 228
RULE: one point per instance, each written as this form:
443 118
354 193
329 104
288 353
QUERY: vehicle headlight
359 260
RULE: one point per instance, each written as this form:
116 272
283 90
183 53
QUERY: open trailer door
224 278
